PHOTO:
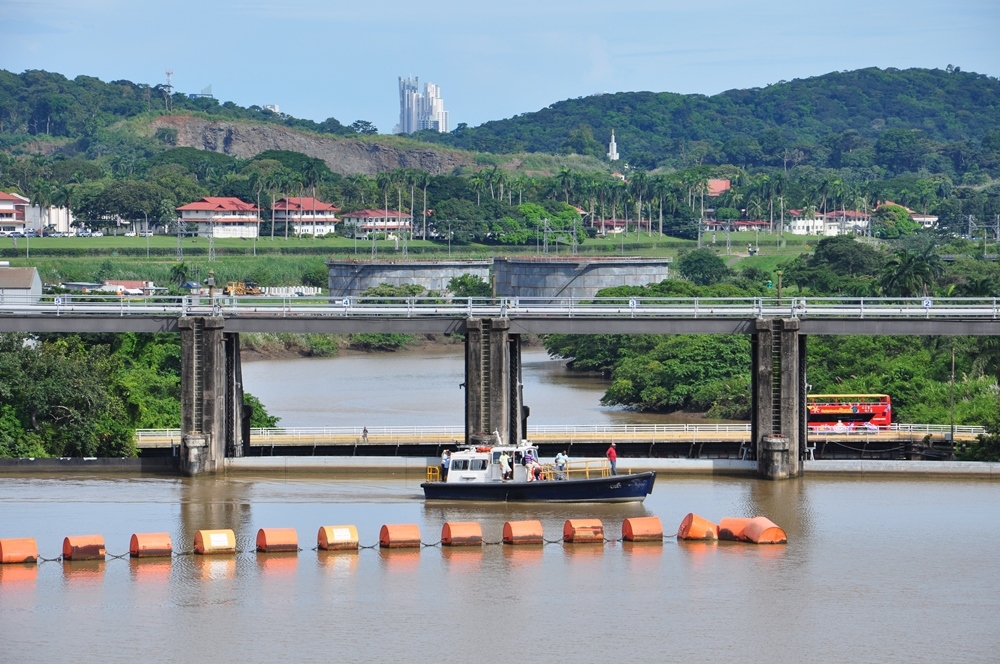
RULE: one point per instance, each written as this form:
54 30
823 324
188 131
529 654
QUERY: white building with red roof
364 222
222 217
306 216
12 217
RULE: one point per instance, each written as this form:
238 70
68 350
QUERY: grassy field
281 262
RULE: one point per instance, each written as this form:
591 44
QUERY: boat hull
615 489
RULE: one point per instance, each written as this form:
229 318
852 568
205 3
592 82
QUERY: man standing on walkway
613 458
445 465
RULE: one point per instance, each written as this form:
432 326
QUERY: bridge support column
493 396
212 413
778 427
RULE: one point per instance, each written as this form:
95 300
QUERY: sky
329 58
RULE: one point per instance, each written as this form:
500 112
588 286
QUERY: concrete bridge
215 424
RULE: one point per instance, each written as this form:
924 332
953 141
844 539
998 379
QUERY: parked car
145 233
97 234
16 234
83 232
31 233
130 234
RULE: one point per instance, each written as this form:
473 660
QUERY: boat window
460 464
478 464
496 456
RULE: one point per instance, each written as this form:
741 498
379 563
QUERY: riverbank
256 347
415 467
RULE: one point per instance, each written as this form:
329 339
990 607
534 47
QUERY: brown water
421 388
874 571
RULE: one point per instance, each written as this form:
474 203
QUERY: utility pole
211 242
180 243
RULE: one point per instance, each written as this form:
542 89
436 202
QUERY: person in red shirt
613 458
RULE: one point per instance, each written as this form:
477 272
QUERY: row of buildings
232 218
223 217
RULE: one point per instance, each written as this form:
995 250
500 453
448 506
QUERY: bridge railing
796 307
453 435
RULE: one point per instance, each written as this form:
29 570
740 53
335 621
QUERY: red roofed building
717 187
223 217
12 213
307 216
364 222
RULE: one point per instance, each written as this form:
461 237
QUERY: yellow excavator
242 288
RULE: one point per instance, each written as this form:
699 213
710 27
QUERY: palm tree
638 186
423 180
478 183
565 178
40 195
910 274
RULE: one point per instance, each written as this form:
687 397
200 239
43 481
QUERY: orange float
84 547
461 533
148 545
20 550
399 536
277 540
764 531
583 531
212 542
642 529
731 529
522 532
693 527
337 538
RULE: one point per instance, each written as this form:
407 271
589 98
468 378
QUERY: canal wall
351 278
573 277
417 466
545 278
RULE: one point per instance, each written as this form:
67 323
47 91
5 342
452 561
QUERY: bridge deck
556 435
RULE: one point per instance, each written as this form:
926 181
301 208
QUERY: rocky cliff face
342 155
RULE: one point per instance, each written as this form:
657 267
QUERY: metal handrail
455 435
818 307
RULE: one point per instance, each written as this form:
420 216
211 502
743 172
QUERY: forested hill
40 103
945 105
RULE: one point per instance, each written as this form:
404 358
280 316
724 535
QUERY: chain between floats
439 543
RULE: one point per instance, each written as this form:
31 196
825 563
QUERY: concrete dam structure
545 278
573 277
352 278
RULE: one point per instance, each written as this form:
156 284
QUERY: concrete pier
778 414
493 394
212 412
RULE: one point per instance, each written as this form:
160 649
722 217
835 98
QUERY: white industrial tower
420 111
613 148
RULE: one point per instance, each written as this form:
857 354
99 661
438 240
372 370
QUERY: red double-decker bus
869 411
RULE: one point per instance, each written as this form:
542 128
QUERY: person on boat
445 465
613 458
364 435
561 460
529 464
504 465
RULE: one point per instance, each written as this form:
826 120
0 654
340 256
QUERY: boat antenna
496 432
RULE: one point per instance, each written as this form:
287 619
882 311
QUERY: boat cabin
482 464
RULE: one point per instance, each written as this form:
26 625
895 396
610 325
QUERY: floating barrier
731 529
523 532
583 531
277 540
461 533
399 536
84 547
642 529
693 527
20 550
214 542
149 545
759 530
764 531
337 538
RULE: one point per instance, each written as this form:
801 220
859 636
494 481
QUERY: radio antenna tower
168 91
